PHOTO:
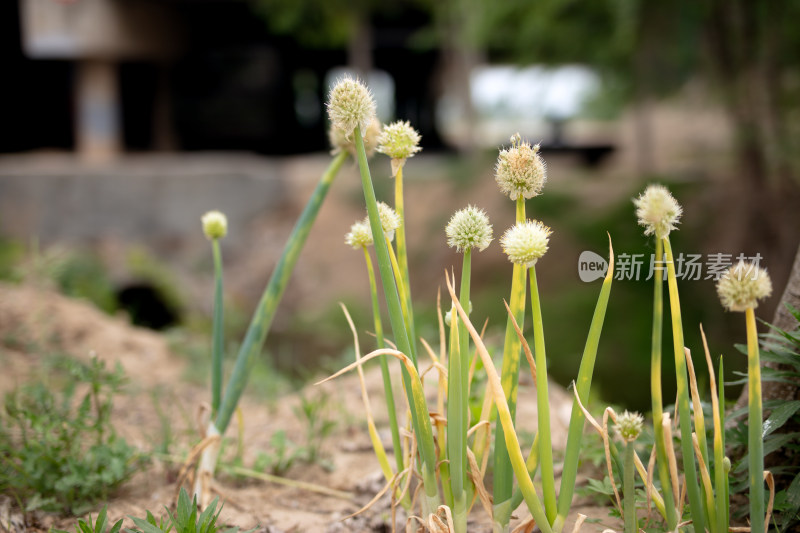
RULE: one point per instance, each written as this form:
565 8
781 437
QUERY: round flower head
390 220
629 425
360 235
399 141
215 225
350 104
657 210
742 286
525 242
469 228
340 141
520 170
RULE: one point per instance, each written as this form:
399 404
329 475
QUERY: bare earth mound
36 322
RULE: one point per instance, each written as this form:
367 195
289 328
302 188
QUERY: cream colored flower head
658 211
742 286
360 235
215 225
340 142
525 242
629 426
390 220
520 170
469 228
399 141
350 104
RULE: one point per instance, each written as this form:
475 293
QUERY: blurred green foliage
58 449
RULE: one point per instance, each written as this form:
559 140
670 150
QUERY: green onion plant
739 290
452 478
224 403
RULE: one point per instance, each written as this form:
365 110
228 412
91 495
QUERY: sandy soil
34 322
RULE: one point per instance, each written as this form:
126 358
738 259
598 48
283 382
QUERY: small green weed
58 451
314 412
184 520
101 525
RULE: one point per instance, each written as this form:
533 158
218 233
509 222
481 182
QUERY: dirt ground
41 321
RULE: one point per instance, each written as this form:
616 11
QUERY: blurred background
123 121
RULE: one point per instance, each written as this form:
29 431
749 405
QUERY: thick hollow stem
655 389
507 425
754 426
542 403
458 398
402 251
689 466
387 378
509 376
419 411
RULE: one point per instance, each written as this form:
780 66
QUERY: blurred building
106 76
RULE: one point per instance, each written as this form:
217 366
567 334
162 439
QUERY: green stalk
720 471
628 491
543 404
531 464
701 446
265 312
583 385
217 331
387 378
754 426
446 440
687 447
401 289
457 406
509 378
420 417
402 253
655 391
506 423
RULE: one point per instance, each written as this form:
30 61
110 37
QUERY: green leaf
770 445
601 487
183 512
206 520
780 415
793 499
100 524
144 526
